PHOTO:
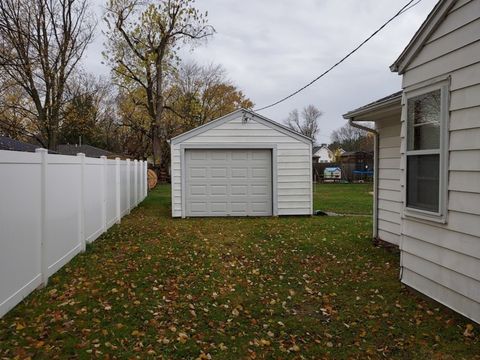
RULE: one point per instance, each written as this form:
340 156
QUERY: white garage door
228 182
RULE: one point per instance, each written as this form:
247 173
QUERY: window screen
422 182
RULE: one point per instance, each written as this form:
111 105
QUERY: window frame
441 215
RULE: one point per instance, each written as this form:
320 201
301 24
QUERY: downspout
375 174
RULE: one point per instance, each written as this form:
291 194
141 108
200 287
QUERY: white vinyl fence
51 206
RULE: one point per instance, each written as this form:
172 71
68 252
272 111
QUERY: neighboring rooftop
7 143
88 150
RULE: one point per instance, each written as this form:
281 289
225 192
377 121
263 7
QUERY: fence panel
50 207
132 185
111 192
93 198
21 226
62 228
123 185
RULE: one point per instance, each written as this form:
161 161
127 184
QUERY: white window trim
442 214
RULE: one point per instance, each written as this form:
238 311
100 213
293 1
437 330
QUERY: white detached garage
241 164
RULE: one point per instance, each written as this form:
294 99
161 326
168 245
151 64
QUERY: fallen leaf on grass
182 337
468 331
295 348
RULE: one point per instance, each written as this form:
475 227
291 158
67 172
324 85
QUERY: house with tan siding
427 158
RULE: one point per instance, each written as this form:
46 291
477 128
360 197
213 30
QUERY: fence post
43 153
144 171
128 186
146 178
140 182
81 211
143 179
135 181
104 192
117 191
145 174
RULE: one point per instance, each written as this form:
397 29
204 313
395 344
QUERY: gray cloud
272 47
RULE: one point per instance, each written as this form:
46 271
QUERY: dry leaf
468 331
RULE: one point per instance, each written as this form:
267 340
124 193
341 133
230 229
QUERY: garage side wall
294 162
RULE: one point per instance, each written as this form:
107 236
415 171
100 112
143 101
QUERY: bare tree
143 37
350 138
41 43
306 123
89 102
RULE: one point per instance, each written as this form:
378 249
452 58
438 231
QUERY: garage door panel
218 207
196 172
198 190
198 155
259 190
198 207
261 173
259 207
218 189
239 172
234 182
218 172
239 190
239 207
261 156
239 155
219 155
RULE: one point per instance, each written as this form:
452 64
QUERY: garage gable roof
247 114
433 21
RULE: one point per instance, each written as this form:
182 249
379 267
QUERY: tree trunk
157 147
158 126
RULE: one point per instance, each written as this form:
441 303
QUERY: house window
426 151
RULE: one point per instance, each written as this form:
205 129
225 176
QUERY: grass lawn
343 198
231 288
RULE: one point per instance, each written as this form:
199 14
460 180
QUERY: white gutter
375 174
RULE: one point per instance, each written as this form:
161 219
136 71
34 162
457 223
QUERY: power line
405 8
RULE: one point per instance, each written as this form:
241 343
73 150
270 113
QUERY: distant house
88 150
427 188
322 154
7 143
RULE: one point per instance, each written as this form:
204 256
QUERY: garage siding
293 162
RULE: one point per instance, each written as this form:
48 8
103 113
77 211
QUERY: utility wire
405 8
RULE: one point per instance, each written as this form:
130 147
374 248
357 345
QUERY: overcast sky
272 47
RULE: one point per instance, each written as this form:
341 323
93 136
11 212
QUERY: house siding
389 196
442 260
294 162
